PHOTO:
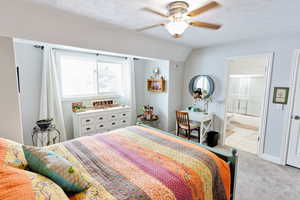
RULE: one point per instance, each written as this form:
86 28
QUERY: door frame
265 107
293 82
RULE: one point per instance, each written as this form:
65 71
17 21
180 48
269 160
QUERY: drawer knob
88 129
87 120
101 126
124 121
100 118
113 116
114 123
124 114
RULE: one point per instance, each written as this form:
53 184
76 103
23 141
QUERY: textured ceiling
241 19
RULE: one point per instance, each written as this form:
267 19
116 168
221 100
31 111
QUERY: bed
143 163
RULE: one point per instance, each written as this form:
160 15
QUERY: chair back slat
182 118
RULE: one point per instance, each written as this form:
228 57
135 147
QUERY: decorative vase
44 124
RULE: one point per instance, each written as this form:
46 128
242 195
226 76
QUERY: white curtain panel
128 93
51 105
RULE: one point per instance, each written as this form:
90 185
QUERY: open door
293 157
247 97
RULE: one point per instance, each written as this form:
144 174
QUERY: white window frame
98 59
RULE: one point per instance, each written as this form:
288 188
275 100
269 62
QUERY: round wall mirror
201 87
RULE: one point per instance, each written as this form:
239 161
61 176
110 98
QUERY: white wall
175 91
26 20
212 61
140 85
68 118
10 118
29 60
143 71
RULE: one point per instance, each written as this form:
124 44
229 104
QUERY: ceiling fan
179 18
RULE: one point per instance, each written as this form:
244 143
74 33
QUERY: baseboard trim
270 158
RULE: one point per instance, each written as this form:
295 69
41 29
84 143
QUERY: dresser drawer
101 118
124 122
119 115
101 126
88 129
124 114
87 121
114 124
113 116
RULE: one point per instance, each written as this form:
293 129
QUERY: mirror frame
211 83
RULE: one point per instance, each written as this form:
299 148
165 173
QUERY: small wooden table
205 120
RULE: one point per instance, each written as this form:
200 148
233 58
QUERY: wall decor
156 85
280 95
78 107
201 87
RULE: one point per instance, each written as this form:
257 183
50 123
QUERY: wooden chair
183 122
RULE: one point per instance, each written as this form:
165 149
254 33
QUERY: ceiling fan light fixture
180 17
176 27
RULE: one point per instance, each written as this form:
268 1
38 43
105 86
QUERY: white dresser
100 121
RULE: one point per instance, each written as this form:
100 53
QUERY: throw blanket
140 163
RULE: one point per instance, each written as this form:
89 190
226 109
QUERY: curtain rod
39 46
97 54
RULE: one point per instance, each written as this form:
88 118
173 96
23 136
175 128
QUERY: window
78 77
109 77
88 75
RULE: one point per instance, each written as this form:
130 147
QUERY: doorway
293 150
247 97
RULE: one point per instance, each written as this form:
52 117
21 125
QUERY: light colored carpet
262 180
244 126
242 132
243 139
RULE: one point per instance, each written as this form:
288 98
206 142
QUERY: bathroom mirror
201 87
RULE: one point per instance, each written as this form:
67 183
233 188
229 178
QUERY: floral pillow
11 154
24 185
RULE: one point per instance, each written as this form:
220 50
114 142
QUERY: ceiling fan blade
203 9
155 12
205 25
148 27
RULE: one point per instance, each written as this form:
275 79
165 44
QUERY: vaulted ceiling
241 19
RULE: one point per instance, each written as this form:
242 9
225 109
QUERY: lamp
176 28
177 25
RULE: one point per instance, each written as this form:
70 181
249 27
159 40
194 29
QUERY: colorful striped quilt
143 164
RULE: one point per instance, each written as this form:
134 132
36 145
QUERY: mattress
145 164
